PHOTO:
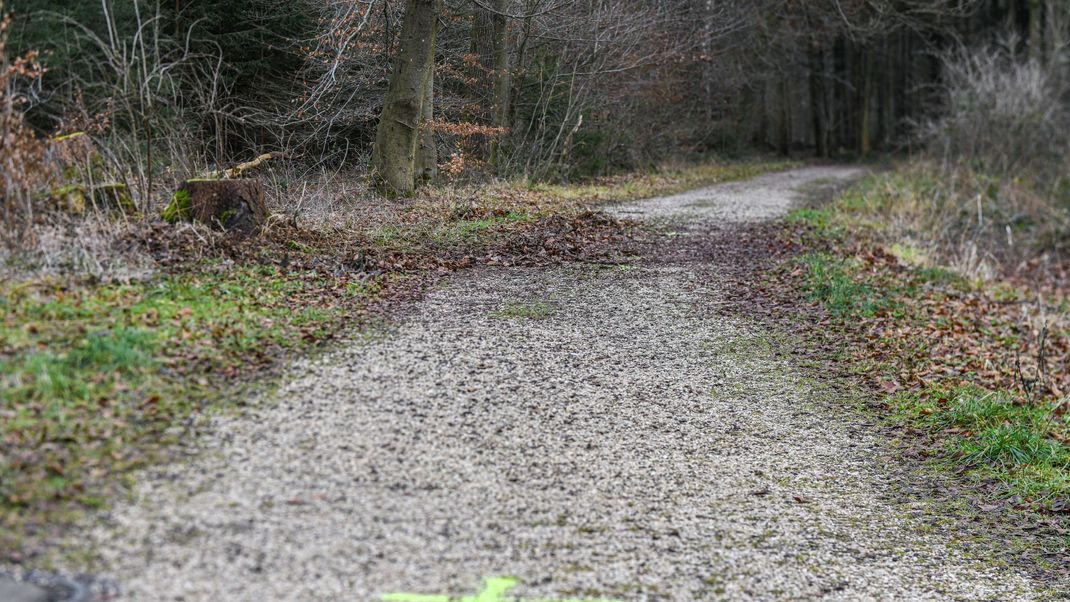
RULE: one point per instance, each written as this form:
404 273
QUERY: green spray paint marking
494 590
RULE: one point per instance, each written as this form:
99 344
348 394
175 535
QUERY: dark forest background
158 91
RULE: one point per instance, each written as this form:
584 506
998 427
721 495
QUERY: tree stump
233 205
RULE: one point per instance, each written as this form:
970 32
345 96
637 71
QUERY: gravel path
595 432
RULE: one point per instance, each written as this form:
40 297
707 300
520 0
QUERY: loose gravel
596 432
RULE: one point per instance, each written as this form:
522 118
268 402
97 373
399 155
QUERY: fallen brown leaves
936 329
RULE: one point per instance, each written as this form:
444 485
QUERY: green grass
835 282
999 438
92 380
535 310
468 230
818 219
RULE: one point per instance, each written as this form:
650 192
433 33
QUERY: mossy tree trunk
502 76
490 46
427 152
234 205
398 134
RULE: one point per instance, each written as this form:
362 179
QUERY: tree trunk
481 47
891 76
840 111
818 100
866 127
1036 35
234 205
492 93
785 126
396 138
1058 21
427 152
761 135
502 76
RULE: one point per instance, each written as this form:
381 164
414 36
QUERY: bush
1003 115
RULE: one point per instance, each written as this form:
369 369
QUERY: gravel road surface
588 432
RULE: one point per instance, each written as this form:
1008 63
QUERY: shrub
1003 115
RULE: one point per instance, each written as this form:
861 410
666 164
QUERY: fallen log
239 170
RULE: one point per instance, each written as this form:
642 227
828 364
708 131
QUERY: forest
204 202
540 90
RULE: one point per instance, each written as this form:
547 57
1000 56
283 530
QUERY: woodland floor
598 430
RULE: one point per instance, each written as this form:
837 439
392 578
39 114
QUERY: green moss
225 217
530 310
300 247
114 196
70 198
180 208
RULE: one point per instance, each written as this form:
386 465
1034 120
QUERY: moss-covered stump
234 205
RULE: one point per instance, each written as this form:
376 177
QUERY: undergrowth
982 366
981 224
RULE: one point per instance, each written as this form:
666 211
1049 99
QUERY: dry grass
324 199
980 225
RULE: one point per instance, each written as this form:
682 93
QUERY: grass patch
533 310
992 432
469 230
836 282
817 219
96 380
